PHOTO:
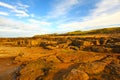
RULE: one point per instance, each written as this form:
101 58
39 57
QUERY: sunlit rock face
98 44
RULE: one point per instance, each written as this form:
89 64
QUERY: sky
26 18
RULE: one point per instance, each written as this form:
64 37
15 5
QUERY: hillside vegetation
96 31
113 30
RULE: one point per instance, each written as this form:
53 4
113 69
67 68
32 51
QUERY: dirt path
7 69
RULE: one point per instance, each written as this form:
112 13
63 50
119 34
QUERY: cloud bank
62 7
105 14
19 10
30 28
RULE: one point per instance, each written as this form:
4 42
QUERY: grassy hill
114 30
96 31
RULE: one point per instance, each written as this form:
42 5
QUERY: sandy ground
7 65
7 69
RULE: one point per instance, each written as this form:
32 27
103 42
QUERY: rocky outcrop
69 65
32 71
95 44
77 75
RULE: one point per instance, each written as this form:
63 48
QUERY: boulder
92 68
76 75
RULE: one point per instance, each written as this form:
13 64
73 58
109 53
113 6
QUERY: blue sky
21 18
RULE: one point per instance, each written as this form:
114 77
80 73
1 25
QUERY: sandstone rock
76 75
92 68
76 43
116 50
111 72
101 41
84 57
50 47
35 42
33 70
53 59
81 56
73 47
97 49
87 43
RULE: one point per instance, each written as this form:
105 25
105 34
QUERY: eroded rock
76 75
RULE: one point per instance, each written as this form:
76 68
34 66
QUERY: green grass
90 32
96 31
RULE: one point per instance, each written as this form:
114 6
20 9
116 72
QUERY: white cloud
62 7
43 23
21 13
32 15
106 7
29 28
20 10
6 5
4 13
22 7
94 23
106 14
